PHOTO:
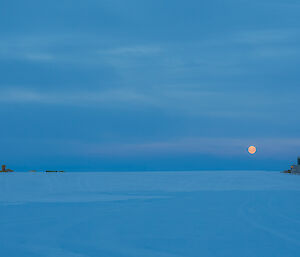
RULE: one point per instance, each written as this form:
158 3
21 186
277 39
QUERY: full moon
252 149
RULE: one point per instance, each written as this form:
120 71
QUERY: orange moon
252 149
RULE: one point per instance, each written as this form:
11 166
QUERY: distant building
3 169
295 169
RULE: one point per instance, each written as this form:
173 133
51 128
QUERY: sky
115 85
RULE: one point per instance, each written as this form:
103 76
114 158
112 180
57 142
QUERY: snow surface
160 214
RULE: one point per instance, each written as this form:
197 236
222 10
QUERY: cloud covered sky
149 85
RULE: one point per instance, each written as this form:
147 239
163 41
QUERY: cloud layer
148 78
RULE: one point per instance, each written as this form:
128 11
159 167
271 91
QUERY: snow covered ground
159 214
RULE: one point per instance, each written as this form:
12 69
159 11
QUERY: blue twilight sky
149 84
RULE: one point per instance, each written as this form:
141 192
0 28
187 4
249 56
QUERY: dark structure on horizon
295 169
3 169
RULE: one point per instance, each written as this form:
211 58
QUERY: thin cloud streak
71 98
226 147
192 102
49 48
